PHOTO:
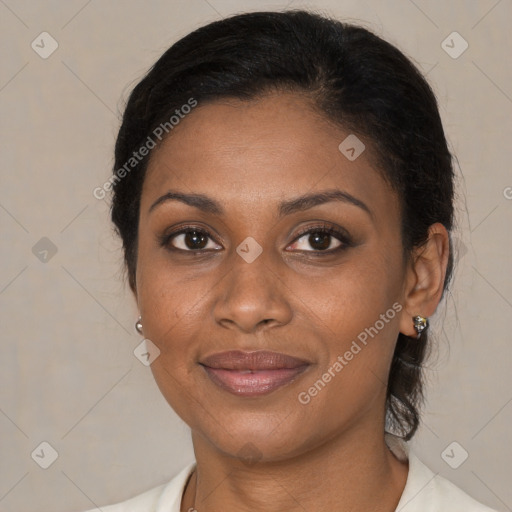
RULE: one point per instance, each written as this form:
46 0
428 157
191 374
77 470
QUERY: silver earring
138 325
420 324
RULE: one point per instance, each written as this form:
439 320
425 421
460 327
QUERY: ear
425 278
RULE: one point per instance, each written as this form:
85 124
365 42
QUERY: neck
353 472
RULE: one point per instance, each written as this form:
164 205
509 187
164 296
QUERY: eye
322 239
189 239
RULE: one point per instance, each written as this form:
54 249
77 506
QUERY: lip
252 373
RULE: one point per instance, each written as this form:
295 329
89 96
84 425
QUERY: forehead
267 149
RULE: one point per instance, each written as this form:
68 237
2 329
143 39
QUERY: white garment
424 491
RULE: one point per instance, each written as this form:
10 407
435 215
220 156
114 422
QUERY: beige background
68 374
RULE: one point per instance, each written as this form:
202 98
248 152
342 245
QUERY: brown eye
318 241
195 240
189 240
321 239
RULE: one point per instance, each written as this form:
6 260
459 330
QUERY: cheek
172 309
355 295
175 306
166 295
171 380
357 312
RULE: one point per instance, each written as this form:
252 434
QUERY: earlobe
425 281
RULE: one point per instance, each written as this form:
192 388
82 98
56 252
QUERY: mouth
252 373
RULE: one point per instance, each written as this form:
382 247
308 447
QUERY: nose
252 295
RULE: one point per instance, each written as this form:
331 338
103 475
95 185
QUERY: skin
328 454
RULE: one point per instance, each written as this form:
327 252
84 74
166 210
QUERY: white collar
424 491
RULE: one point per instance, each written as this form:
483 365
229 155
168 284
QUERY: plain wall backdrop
68 374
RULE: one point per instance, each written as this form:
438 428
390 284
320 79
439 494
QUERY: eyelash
327 229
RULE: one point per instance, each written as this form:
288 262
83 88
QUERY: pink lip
252 373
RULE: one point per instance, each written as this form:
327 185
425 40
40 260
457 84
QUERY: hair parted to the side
355 79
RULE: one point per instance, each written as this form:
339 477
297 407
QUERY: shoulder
165 497
454 498
427 491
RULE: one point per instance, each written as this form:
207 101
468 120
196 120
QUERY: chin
255 437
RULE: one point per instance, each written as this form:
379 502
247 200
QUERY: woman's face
248 281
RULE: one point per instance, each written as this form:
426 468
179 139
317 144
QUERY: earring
138 325
420 324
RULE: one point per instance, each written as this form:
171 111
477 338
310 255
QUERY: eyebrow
301 203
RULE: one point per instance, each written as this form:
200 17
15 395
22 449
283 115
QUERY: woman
284 192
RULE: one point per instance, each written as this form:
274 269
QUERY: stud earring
420 324
138 325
